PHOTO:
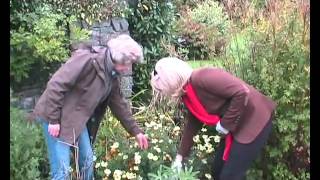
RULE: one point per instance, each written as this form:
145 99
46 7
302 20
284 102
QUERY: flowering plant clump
118 155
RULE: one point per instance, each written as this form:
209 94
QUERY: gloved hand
177 163
221 129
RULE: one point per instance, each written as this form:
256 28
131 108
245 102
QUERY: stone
126 84
106 23
27 103
116 24
124 25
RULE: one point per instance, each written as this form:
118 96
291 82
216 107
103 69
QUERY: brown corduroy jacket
243 110
82 89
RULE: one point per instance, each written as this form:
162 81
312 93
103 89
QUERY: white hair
125 50
170 75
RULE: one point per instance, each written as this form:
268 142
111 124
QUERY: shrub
204 28
272 53
150 22
27 150
39 41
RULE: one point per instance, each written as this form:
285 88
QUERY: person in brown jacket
75 100
216 97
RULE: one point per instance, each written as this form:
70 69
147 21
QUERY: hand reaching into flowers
177 163
142 141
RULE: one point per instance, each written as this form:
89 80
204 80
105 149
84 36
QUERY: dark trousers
240 158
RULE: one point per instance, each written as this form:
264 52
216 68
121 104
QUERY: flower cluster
118 155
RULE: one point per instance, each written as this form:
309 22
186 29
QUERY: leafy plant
165 172
272 54
150 22
204 29
40 40
27 150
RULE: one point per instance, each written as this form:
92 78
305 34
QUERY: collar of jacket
103 58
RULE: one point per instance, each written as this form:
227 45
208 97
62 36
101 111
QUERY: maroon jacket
244 111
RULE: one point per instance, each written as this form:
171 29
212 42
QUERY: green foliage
151 22
206 63
76 33
27 150
40 40
165 172
48 39
211 13
20 52
205 28
272 54
90 11
187 3
44 41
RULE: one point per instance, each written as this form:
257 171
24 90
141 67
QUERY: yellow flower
204 161
117 174
152 123
196 139
204 130
150 156
176 128
136 168
205 137
104 164
130 175
157 126
208 176
201 147
209 148
148 125
162 116
107 172
125 157
137 158
115 145
157 149
97 165
155 158
216 139
154 141
167 157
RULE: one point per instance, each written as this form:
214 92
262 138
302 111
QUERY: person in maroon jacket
242 114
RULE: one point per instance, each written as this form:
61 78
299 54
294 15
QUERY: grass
205 63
